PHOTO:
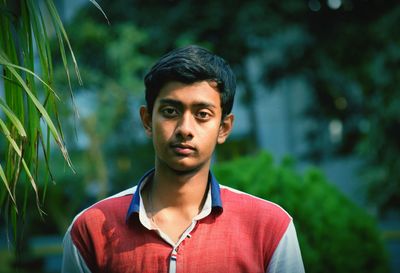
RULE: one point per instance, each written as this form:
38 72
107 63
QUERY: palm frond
30 100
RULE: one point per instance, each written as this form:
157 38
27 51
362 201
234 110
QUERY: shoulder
255 219
109 210
93 228
257 208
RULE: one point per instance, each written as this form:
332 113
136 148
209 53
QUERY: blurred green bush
334 234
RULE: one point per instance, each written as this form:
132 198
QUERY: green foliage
115 148
30 124
334 234
355 81
118 62
348 56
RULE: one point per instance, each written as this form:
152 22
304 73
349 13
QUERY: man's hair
189 65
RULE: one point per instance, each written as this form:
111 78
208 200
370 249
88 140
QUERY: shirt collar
134 206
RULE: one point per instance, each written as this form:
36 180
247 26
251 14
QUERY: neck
185 191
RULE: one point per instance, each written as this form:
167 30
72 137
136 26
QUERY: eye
169 112
203 115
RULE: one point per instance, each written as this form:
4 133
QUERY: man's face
185 125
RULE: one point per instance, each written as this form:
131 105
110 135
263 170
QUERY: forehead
203 92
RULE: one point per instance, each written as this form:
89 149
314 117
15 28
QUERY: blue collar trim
215 192
134 206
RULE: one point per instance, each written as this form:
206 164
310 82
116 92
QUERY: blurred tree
346 50
350 65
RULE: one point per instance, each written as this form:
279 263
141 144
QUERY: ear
146 120
225 128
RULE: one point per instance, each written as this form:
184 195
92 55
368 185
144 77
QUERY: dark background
317 88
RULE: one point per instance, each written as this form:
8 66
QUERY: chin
184 165
184 168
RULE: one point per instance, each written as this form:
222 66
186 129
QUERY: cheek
162 132
210 134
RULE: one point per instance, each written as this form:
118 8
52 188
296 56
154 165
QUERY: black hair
188 65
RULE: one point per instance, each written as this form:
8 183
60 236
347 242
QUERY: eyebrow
178 103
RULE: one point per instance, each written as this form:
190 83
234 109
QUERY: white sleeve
72 260
287 256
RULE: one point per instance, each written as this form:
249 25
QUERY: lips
183 149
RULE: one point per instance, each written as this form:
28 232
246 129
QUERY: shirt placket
172 261
177 250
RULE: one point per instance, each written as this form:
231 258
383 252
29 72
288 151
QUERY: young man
178 218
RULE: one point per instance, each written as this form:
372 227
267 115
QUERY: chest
209 247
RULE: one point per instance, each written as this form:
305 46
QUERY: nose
184 129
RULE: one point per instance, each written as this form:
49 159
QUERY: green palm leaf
29 99
42 111
14 145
